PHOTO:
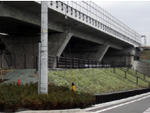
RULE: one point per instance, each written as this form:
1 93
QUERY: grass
132 77
137 73
140 75
60 95
95 81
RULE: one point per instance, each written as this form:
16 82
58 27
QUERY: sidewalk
56 111
25 76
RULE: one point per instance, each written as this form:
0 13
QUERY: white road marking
122 104
147 111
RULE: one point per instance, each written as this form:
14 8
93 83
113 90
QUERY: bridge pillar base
57 43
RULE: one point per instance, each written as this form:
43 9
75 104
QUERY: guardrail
118 95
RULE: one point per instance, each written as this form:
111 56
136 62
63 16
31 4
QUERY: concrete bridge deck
79 33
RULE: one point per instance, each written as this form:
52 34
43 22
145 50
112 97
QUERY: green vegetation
139 74
144 60
60 96
145 54
96 81
131 76
13 97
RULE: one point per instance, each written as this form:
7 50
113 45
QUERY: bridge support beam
100 53
85 50
57 44
120 58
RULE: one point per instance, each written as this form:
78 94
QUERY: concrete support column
57 44
129 55
100 53
129 60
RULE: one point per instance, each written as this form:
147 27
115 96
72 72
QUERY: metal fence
65 62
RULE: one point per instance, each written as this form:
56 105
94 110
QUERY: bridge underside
19 48
22 51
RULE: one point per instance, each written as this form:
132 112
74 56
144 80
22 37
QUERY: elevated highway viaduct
76 29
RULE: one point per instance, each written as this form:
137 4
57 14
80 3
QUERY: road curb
55 111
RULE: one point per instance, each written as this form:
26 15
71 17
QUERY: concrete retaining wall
142 67
18 51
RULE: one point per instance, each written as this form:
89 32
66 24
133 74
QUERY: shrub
13 97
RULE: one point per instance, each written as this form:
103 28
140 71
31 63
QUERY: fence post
137 80
14 61
65 62
125 75
72 63
92 63
96 64
127 69
114 70
57 60
148 85
144 76
36 64
83 64
1 60
24 60
78 63
88 64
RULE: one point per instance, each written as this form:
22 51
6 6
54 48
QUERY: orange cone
18 82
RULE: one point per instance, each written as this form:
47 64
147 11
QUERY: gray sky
135 14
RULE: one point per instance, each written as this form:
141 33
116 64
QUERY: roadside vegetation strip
13 97
95 81
87 82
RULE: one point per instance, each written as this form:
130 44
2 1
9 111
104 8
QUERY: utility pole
43 51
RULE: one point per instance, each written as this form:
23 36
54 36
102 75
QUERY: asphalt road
139 105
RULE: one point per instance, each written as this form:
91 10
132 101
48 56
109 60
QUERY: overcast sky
135 14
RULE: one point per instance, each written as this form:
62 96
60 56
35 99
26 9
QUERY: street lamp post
144 37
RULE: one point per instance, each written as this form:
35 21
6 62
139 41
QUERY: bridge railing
92 14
